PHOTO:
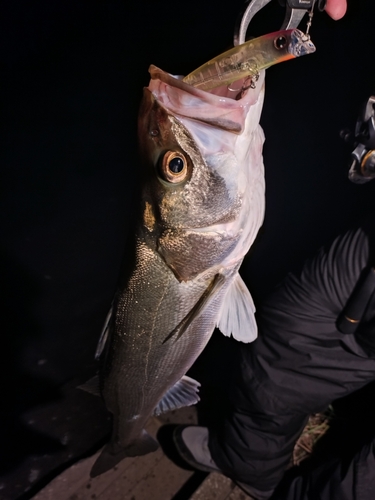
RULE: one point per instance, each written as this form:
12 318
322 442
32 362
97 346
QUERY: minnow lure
248 59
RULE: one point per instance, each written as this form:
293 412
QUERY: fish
202 204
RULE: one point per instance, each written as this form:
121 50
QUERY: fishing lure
248 59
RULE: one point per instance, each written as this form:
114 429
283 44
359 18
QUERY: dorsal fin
105 332
92 386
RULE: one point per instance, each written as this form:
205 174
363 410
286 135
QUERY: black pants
299 364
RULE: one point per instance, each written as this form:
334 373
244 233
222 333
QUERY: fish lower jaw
230 230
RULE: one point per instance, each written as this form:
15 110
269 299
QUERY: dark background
71 82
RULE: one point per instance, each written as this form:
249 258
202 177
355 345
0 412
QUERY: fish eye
173 167
280 42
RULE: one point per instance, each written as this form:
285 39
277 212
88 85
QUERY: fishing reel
362 167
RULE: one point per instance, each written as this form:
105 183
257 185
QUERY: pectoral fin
183 393
212 288
237 313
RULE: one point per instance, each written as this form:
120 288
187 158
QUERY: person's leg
254 442
299 364
348 477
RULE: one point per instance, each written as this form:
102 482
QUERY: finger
336 8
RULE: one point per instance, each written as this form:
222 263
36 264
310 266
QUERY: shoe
191 442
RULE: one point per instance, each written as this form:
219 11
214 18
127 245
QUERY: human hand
336 8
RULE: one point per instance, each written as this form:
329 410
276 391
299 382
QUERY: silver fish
202 205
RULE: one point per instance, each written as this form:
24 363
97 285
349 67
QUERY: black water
72 78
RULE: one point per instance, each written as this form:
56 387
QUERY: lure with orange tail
248 59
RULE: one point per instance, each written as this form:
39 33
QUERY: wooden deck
150 477
218 487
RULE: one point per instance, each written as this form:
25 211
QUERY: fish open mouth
238 89
224 107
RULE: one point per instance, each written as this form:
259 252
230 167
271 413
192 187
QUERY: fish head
164 149
200 154
186 191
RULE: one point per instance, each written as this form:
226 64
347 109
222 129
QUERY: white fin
183 393
237 313
91 386
104 334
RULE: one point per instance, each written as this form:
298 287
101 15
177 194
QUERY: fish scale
150 322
